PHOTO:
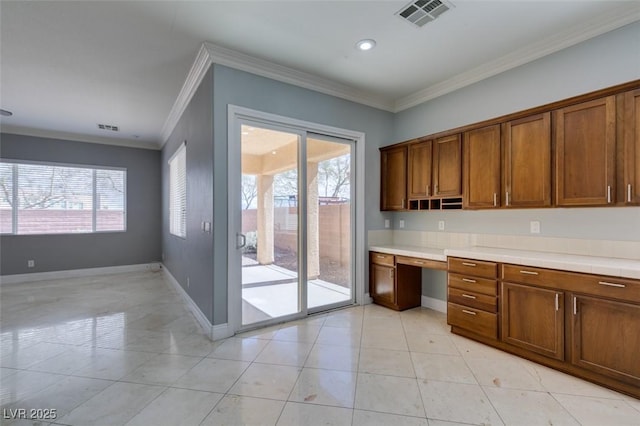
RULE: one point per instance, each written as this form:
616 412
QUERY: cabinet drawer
474 300
474 320
473 284
627 290
422 263
382 258
531 275
478 268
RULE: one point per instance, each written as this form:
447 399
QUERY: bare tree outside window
249 191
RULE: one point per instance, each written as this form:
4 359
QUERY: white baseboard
195 310
221 331
435 304
75 273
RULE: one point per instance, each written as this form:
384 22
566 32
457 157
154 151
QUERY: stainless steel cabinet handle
402 206
629 193
468 296
419 262
557 301
428 188
608 193
507 200
469 264
468 312
468 280
529 272
495 199
611 284
575 306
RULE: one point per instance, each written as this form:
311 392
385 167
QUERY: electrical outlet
534 227
401 223
441 225
387 223
31 263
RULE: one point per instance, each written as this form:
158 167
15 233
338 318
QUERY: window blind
59 199
178 192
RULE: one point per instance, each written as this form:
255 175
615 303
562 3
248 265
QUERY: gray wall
139 244
601 62
263 94
192 258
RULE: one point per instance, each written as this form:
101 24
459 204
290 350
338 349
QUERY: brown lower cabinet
605 337
583 324
394 285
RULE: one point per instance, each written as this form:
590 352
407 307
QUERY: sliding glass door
295 233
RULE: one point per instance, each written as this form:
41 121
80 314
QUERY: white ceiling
67 66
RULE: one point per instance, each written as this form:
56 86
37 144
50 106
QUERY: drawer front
474 320
535 276
474 300
477 268
382 258
473 284
616 288
422 263
597 285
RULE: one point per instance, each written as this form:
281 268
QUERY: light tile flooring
123 349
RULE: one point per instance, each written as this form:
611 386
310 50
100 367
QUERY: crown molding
194 78
75 137
210 53
264 68
614 20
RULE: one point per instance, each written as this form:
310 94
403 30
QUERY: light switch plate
387 223
441 225
401 223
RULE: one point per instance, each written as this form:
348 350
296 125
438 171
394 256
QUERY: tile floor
124 350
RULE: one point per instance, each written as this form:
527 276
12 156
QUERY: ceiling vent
108 127
420 12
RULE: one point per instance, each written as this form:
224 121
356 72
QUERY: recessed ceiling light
5 113
366 44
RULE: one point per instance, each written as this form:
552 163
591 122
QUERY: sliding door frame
236 117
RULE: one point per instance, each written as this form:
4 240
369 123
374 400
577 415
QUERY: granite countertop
611 266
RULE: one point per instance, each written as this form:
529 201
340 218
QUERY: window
40 198
178 192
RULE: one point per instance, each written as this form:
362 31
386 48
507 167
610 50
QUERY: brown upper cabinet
582 151
447 166
393 185
585 137
631 153
419 170
481 171
527 161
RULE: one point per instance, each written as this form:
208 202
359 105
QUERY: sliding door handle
241 240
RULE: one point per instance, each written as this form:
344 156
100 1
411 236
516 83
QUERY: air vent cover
108 127
420 12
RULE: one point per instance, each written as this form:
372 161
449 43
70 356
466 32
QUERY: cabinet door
383 283
419 170
606 337
393 178
631 154
447 166
533 318
527 161
481 170
585 137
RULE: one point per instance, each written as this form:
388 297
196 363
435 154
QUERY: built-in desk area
396 274
578 314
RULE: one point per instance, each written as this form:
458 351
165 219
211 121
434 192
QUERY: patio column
313 235
265 219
